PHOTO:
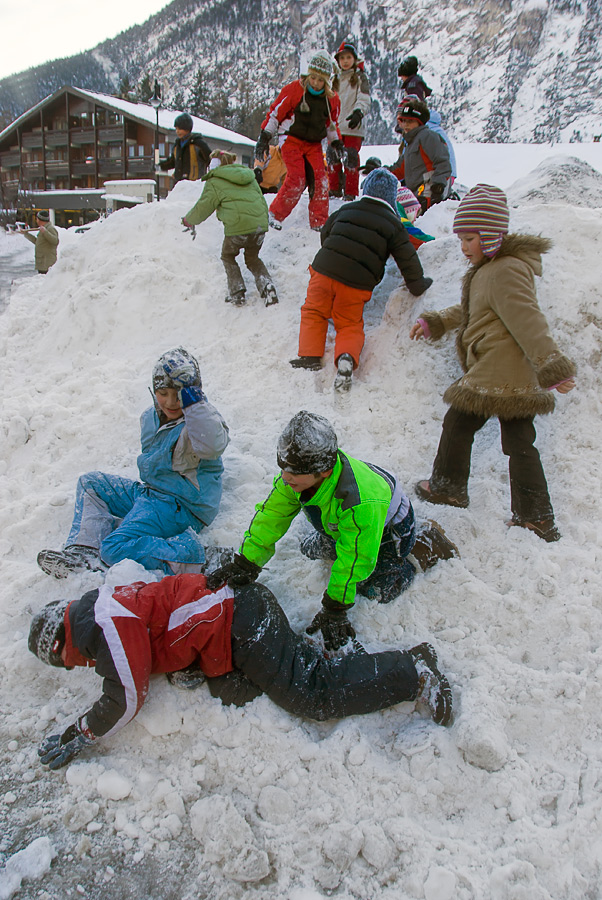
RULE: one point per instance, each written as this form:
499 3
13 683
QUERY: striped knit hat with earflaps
484 209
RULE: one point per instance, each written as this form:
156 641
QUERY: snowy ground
191 799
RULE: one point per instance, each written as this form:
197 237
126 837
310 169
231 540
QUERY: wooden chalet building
74 140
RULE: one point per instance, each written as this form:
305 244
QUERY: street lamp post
155 102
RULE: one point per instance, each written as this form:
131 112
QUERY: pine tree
145 89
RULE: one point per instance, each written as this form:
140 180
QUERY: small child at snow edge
511 362
232 192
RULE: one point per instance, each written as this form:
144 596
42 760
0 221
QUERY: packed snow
194 800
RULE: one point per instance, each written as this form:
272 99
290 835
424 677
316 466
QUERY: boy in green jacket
363 522
232 192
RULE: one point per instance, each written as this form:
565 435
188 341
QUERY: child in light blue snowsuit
154 521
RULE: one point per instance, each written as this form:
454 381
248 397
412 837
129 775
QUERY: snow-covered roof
146 113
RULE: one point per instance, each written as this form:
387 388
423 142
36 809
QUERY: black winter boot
237 299
60 563
313 363
433 687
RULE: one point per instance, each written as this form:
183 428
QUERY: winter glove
332 621
335 153
437 192
190 228
59 749
190 395
236 573
355 119
261 147
258 172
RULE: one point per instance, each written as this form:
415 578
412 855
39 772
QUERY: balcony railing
112 133
31 140
57 166
7 160
110 166
82 136
57 139
82 167
141 165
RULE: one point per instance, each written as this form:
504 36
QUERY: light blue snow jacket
183 458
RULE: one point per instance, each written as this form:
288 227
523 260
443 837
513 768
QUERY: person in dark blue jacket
154 521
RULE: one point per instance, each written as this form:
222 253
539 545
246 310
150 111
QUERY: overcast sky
35 31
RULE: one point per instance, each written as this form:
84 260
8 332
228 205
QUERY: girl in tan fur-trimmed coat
510 360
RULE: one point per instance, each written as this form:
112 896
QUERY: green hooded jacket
351 506
233 193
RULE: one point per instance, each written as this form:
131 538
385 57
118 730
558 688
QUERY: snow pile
196 800
562 179
30 863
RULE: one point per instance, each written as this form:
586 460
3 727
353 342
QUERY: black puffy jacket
358 239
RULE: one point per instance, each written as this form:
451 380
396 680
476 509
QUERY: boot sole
439 499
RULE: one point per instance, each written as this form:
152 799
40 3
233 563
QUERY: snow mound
559 179
197 800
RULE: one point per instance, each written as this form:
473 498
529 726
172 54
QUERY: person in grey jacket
46 241
424 164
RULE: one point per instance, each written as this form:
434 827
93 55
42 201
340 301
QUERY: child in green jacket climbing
362 520
231 191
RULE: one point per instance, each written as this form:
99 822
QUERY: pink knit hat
484 210
409 202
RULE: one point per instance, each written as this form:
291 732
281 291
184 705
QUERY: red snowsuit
301 135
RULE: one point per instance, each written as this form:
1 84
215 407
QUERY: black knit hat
413 108
308 445
408 66
183 121
43 215
47 633
346 46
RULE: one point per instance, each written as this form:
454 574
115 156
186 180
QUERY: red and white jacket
281 114
131 632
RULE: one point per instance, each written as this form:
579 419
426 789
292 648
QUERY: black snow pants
270 657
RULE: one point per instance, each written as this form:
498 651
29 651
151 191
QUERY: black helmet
183 121
47 633
307 445
178 361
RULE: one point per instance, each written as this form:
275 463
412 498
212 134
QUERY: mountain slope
515 70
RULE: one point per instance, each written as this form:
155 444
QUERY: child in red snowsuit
304 113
